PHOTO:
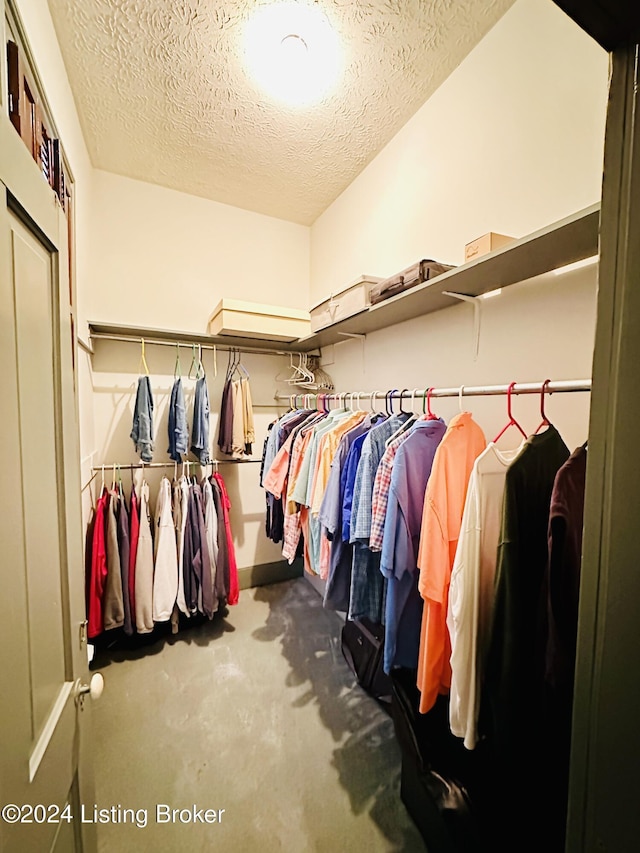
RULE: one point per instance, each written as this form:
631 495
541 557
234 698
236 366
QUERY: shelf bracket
477 304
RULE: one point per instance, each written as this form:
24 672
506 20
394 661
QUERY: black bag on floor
362 647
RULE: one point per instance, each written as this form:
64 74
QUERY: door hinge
83 633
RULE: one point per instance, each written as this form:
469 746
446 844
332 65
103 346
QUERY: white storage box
254 320
352 300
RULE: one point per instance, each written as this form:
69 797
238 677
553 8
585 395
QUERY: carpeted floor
255 713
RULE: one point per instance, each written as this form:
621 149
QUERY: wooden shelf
112 331
565 242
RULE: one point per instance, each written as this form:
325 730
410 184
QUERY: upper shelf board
565 242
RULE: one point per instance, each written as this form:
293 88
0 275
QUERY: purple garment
124 548
197 562
399 561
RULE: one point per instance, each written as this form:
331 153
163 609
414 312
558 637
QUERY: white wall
164 259
511 142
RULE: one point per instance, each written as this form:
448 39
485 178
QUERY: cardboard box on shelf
485 244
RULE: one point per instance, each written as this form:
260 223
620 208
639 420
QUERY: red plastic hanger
512 421
545 420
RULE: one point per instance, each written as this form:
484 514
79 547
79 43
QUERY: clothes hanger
402 411
460 393
200 365
431 415
102 485
193 364
512 421
545 420
143 360
177 370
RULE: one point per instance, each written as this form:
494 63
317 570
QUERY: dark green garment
513 674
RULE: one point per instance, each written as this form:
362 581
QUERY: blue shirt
399 556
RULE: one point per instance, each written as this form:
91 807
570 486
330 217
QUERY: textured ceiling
163 94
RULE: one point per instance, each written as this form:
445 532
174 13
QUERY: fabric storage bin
424 270
254 320
347 302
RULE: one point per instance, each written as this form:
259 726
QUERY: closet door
44 774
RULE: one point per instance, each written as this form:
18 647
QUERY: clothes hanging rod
187 342
558 387
213 462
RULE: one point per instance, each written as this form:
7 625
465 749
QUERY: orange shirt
444 501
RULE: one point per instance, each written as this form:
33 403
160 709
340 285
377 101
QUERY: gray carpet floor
255 713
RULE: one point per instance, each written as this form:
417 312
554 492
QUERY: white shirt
165 577
472 588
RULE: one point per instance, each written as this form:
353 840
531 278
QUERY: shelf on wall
112 331
565 242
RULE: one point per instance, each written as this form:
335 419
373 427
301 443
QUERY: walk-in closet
319 344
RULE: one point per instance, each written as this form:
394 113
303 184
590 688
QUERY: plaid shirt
292 522
380 495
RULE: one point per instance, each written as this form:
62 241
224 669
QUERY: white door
45 773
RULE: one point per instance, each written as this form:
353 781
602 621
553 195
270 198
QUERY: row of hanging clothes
147 567
467 554
180 443
236 432
236 429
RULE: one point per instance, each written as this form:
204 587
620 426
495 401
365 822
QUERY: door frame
29 197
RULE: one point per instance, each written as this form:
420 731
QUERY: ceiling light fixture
292 52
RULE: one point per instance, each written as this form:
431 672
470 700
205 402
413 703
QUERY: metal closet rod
188 462
558 387
164 342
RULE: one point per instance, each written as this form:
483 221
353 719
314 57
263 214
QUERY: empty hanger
512 421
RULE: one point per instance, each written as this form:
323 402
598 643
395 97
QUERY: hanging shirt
444 502
234 588
367 583
142 429
559 627
238 432
134 531
211 528
347 484
99 571
181 514
249 429
225 428
563 572
165 577
380 494
124 551
113 604
471 589
200 431
327 448
178 435
144 567
512 688
399 558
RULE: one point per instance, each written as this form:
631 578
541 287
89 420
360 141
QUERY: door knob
94 688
